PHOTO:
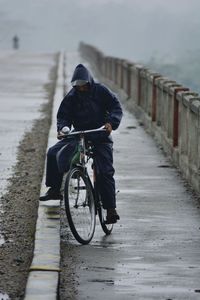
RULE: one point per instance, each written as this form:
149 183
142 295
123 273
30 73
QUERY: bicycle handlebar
100 129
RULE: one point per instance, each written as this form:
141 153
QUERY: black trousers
58 161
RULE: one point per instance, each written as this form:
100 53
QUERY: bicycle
81 194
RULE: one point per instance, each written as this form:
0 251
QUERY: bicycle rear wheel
80 206
107 228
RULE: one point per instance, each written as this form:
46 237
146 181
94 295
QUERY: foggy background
161 34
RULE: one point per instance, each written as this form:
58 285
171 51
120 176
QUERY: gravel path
20 203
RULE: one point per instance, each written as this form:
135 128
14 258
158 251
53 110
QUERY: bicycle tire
107 228
80 205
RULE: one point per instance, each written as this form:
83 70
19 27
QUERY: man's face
83 88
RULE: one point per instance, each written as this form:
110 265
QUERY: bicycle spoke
80 207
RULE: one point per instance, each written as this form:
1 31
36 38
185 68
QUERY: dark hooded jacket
88 110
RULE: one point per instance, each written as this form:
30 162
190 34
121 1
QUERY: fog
161 34
134 29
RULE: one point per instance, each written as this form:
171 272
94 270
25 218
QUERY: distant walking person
15 42
88 105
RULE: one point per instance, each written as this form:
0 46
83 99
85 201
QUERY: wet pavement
153 252
26 84
22 80
4 297
44 271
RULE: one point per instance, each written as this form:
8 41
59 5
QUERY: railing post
176 115
194 142
122 74
154 97
139 70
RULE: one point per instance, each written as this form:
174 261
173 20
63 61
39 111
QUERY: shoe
112 216
51 194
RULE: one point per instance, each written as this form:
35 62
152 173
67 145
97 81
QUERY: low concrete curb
44 271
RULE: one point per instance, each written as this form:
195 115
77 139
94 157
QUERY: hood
82 73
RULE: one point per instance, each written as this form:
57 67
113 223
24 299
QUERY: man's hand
63 132
108 128
60 135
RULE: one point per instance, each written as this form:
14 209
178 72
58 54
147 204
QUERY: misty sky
134 29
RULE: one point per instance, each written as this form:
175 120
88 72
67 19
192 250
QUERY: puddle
109 282
131 127
135 258
96 268
2 241
164 166
124 132
4 297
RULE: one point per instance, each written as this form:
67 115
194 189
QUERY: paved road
22 80
153 252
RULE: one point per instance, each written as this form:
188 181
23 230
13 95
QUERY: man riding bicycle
88 105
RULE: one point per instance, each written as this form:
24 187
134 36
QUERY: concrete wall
170 111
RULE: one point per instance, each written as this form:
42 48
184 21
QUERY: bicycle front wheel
80 206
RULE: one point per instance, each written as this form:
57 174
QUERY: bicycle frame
85 154
82 144
79 166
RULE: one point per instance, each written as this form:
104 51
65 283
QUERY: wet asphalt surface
27 84
153 252
22 77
